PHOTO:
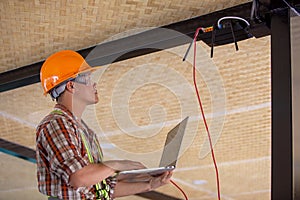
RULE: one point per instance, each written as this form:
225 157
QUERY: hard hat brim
90 69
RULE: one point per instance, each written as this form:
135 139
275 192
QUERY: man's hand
161 180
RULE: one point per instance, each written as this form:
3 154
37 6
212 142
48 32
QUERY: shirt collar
65 110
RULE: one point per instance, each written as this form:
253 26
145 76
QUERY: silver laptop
169 155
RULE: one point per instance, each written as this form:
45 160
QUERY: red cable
203 116
205 123
181 190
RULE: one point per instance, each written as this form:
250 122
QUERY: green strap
100 192
59 112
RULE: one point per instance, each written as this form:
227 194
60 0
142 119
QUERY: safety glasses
84 79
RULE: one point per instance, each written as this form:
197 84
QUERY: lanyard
100 192
87 147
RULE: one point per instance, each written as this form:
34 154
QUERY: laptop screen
172 145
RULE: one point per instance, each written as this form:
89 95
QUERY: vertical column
281 108
295 63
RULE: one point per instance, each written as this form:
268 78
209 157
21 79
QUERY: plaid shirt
60 152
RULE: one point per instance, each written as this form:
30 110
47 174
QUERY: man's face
85 89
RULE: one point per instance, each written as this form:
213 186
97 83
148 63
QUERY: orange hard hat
60 67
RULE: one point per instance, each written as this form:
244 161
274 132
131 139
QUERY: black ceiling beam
17 150
137 45
275 4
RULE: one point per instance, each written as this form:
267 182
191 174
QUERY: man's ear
70 86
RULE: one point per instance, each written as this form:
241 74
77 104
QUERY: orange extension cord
204 120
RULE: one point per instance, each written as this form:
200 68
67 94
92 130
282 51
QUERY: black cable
233 36
187 51
213 37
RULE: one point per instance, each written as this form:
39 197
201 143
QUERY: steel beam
281 183
17 150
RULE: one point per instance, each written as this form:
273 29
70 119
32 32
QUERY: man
69 158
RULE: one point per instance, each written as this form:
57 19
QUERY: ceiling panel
32 30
